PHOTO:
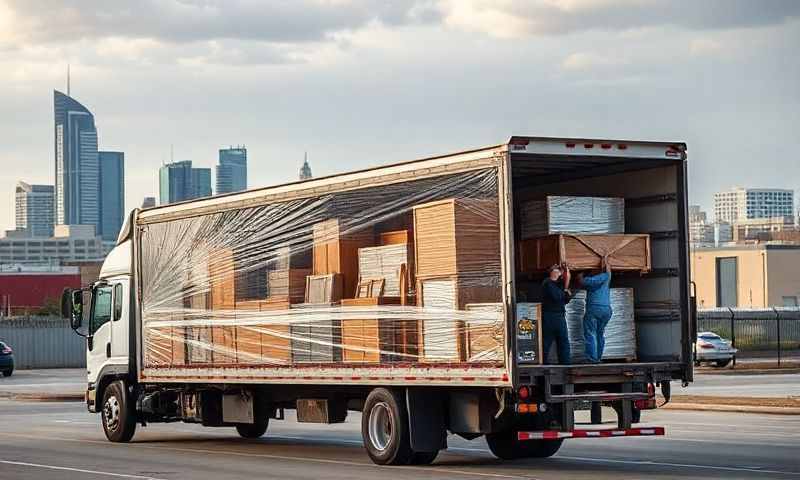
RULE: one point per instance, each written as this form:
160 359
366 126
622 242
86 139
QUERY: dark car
6 359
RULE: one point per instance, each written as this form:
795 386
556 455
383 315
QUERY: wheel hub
381 426
111 412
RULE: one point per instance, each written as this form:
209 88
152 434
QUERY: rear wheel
384 429
722 363
7 373
505 445
118 413
253 430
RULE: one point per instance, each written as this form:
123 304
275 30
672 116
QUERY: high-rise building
178 181
112 193
740 204
305 170
76 163
34 209
232 170
149 202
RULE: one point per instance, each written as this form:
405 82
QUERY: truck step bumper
610 432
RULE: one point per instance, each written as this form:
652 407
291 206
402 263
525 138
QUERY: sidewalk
58 384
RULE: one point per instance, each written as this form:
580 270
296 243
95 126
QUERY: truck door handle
108 350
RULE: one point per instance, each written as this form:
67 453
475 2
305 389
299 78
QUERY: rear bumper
716 356
606 433
6 362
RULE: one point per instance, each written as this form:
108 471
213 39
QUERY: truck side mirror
72 307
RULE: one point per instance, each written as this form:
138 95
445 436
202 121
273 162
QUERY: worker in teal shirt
598 312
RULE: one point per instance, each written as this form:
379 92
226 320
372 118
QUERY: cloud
509 18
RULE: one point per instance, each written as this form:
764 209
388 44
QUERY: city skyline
342 88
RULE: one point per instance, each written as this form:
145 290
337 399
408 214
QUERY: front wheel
506 446
118 413
384 429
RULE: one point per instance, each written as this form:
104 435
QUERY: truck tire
253 430
384 429
504 445
423 458
118 413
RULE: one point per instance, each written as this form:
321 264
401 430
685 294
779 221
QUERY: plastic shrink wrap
566 214
620 333
384 275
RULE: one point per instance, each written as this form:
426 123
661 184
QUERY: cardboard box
456 237
335 250
625 252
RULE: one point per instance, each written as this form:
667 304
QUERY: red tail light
523 392
8 350
705 345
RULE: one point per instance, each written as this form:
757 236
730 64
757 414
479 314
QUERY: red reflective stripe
614 432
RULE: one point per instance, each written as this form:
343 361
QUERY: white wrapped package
620 332
572 215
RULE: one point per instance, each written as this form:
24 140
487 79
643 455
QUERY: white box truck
391 291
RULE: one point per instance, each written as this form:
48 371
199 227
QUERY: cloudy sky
363 82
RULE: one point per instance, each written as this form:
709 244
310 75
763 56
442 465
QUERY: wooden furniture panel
317 341
456 236
288 284
224 341
625 252
323 289
336 251
484 336
221 278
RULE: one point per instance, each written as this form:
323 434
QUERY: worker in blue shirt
555 295
598 311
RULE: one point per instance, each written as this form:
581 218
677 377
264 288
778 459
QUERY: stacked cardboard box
335 250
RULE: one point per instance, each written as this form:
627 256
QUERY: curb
43 397
754 371
733 408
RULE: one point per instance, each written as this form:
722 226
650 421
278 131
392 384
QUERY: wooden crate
456 236
386 262
379 340
222 279
625 252
336 251
370 301
288 285
484 336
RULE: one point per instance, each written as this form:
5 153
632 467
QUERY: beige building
756 276
750 229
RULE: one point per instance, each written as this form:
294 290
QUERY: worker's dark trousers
594 331
554 329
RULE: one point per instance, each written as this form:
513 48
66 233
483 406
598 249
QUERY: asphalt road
62 440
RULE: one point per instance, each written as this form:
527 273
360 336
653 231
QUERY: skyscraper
112 193
232 170
178 181
77 173
305 170
34 209
740 204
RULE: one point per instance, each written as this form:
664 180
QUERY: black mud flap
426 420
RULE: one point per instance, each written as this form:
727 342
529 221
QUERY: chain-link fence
768 333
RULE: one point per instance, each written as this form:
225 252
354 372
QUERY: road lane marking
440 470
679 465
79 470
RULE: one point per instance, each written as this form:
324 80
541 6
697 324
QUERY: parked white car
712 348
